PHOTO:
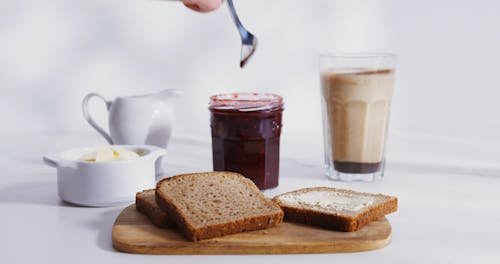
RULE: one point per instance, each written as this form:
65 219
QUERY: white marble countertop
448 189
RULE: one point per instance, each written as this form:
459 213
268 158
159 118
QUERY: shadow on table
293 168
103 224
39 192
45 193
26 160
444 169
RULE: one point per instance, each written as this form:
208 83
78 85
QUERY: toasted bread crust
166 205
157 216
211 231
337 221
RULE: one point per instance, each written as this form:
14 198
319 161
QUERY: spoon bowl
248 40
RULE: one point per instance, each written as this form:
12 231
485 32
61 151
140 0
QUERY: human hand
202 5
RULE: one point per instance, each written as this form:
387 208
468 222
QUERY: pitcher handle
91 121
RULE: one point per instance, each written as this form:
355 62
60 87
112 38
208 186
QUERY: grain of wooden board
134 233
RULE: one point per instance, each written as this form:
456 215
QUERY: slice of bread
213 204
145 203
336 209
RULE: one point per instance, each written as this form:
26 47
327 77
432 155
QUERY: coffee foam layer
356 71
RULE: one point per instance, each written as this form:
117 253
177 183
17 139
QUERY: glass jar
246 129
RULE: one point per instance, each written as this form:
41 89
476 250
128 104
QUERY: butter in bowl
108 176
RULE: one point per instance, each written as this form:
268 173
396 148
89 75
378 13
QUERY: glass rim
245 101
358 55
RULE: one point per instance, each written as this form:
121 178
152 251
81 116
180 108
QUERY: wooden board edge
213 249
207 249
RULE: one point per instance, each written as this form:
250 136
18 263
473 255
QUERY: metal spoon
248 41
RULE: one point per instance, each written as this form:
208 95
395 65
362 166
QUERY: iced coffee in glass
356 92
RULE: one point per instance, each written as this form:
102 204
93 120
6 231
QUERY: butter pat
109 154
124 154
327 200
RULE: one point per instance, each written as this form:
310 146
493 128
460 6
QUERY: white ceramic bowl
104 183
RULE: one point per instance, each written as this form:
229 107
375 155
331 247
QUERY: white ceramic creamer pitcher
137 120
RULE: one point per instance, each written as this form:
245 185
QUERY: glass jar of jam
246 129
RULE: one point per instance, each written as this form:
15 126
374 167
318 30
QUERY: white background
53 52
443 155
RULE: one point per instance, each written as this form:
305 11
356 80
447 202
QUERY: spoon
248 41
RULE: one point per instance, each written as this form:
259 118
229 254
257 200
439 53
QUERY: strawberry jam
246 130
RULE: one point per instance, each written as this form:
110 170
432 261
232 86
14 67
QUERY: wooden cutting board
134 233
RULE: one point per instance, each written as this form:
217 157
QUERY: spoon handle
236 20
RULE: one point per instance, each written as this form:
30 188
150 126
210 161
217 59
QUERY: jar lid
245 101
